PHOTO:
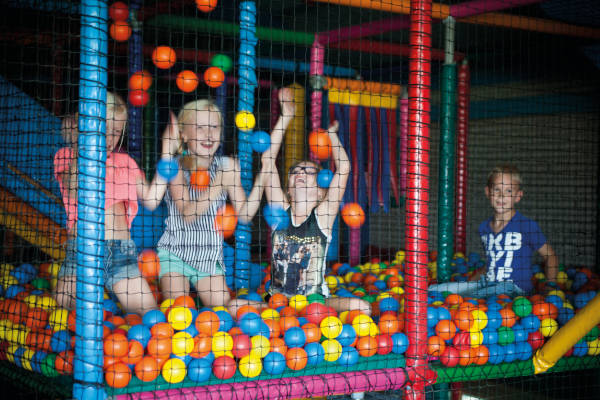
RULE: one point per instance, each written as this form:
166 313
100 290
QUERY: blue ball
295 337
399 343
199 370
521 334
348 357
17 356
492 304
24 273
250 324
225 320
324 178
388 304
531 323
564 315
60 341
494 319
254 297
13 290
261 141
191 329
556 300
581 299
524 350
496 354
167 168
580 349
343 269
110 305
36 361
302 321
153 317
510 352
347 336
432 316
443 313
210 357
274 363
141 333
490 336
315 353
276 217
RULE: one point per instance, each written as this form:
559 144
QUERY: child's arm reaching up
550 261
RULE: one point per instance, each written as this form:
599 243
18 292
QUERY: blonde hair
509 169
188 111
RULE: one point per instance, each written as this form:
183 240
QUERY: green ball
315 298
505 335
521 306
370 298
40 283
592 335
222 61
47 366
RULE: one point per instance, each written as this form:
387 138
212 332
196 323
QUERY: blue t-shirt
509 251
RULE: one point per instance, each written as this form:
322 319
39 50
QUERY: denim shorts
120 261
169 262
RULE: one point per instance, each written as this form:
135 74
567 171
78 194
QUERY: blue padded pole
136 63
87 367
247 85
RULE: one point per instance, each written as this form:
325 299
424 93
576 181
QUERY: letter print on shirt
500 251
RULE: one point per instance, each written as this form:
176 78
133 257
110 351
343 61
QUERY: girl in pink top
125 183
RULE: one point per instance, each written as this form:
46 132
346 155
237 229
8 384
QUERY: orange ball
185 301
226 220
140 80
453 299
120 31
202 345
389 324
445 329
116 345
206 5
481 356
164 57
366 346
312 332
465 356
118 375
214 77
435 346
36 318
320 144
509 318
187 81
200 179
463 319
278 300
208 322
278 345
135 353
246 308
162 330
149 264
275 328
296 358
353 215
147 369
159 347
133 319
64 362
288 322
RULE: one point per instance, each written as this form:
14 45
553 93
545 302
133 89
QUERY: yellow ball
331 282
562 277
180 317
331 327
242 291
437 303
480 320
5 326
348 277
10 352
46 303
220 308
260 346
26 359
343 315
400 256
397 290
594 347
174 371
164 306
54 269
222 342
250 366
558 293
269 313
362 324
539 276
383 296
476 338
30 300
373 329
566 304
58 319
5 269
548 327
333 349
182 344
245 121
17 335
459 254
8 280
298 302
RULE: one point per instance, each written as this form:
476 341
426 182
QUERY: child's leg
213 291
173 285
64 292
341 304
135 295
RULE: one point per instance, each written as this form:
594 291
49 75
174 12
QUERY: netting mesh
290 199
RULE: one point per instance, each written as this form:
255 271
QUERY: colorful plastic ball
225 320
295 337
120 31
118 11
435 346
149 264
530 323
276 217
179 317
445 329
116 345
400 343
324 178
207 322
222 61
580 349
164 57
362 324
199 370
147 369
505 335
320 144
214 77
367 346
182 344
353 215
450 357
260 346
548 327
138 98
296 358
496 354
250 323
333 349
174 370
521 306
475 338
331 327
315 353
523 350
347 336
250 366
274 363
200 179
384 344
222 342
260 141
117 375
245 121
298 302
140 333
241 345
48 369
187 81
226 220
480 320
57 319
348 357
167 168
153 317
206 5
140 80
494 319
510 352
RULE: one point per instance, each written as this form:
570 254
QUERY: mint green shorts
169 262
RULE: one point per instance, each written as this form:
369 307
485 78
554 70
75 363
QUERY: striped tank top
197 243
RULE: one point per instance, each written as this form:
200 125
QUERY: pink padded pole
363 30
403 143
476 7
285 388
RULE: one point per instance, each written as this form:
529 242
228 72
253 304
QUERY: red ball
384 344
353 215
118 11
315 313
320 144
138 98
449 357
224 367
214 77
241 345
535 340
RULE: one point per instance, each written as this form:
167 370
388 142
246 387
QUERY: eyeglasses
307 169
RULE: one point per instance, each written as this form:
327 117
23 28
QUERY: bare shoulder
230 164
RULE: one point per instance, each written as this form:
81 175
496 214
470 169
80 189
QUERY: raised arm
152 193
270 175
329 207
